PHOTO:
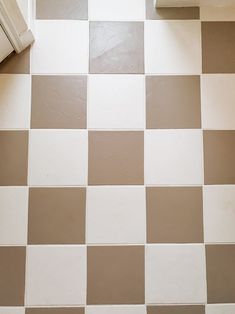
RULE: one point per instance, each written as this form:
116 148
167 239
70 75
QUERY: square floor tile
218 98
219 214
130 309
116 158
62 9
13 215
220 309
56 310
173 157
219 156
12 310
112 10
174 215
175 274
57 215
173 102
173 47
218 47
14 106
49 54
59 102
220 261
117 47
12 274
16 63
116 215
58 157
176 309
56 275
116 102
13 157
115 275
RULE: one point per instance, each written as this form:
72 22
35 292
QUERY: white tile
173 157
173 47
116 101
217 13
137 309
220 309
116 215
113 10
12 310
13 215
60 47
219 213
56 275
58 157
218 101
15 98
175 274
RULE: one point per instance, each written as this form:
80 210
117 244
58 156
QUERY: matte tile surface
56 216
62 9
13 157
59 102
55 311
12 310
173 102
115 275
219 156
220 308
176 309
16 63
116 158
12 274
220 260
130 309
117 47
174 215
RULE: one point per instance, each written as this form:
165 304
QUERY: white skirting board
15 27
193 3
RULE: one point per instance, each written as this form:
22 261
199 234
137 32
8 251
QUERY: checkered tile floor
117 161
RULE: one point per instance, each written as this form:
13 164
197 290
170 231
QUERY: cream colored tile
116 215
56 275
116 101
218 101
12 310
127 309
173 157
15 101
220 309
58 157
217 13
175 274
173 47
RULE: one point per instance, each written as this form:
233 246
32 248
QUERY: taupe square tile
173 102
116 158
174 215
218 47
66 310
56 216
176 309
115 275
187 13
117 47
59 102
220 261
17 63
219 157
13 157
12 276
62 9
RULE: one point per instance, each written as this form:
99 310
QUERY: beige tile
56 216
176 309
62 9
117 47
56 310
115 275
174 215
13 157
12 274
173 102
116 158
17 63
218 47
59 102
220 261
219 156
